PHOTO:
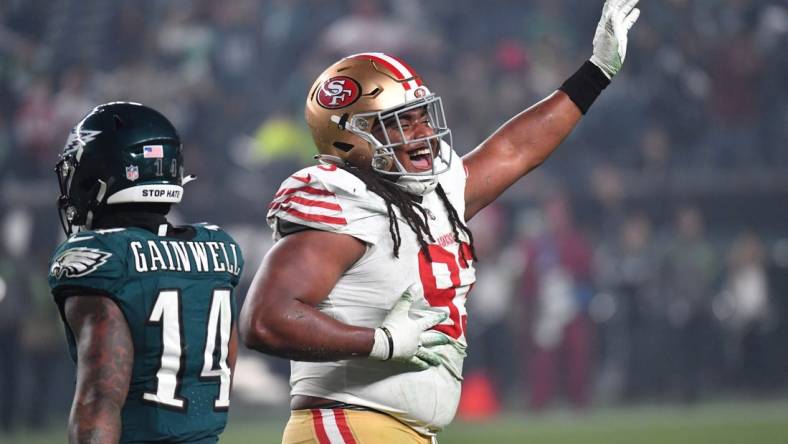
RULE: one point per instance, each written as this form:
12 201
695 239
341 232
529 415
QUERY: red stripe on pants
320 430
344 429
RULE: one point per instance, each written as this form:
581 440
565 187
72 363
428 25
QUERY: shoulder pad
88 259
327 198
453 183
328 178
453 180
211 232
208 226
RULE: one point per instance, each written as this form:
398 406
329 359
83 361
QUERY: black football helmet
121 152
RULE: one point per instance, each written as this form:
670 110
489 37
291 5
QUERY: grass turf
746 422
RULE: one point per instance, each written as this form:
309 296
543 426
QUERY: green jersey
177 297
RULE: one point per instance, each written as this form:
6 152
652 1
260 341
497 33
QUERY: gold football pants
343 426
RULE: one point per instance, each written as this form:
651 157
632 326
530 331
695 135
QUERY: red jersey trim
333 220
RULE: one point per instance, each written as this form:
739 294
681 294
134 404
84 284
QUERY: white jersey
331 199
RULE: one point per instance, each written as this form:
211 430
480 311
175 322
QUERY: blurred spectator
734 105
71 102
690 274
5 144
628 274
41 341
187 41
279 146
490 310
278 139
237 44
370 27
12 309
743 307
655 151
557 287
14 306
478 104
608 191
35 129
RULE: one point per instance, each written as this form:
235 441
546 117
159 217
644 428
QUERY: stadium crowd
646 261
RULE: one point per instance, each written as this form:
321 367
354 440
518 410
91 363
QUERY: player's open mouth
421 158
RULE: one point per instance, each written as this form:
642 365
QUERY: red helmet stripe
399 69
409 68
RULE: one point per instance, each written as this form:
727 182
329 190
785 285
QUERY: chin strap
419 186
328 159
99 200
188 178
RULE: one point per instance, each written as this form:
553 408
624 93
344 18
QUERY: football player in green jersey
148 307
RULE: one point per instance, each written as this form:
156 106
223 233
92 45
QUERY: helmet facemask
377 128
76 210
66 211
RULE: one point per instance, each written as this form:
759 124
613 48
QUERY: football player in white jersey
365 287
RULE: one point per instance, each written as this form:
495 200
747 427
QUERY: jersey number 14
166 312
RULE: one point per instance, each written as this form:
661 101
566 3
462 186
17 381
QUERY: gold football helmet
362 92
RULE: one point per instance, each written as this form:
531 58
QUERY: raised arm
105 355
516 148
528 139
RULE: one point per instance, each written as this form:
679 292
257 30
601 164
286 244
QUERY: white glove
610 39
403 339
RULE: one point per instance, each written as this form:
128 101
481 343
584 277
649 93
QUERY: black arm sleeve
286 227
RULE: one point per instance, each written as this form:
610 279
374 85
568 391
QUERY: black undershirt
146 216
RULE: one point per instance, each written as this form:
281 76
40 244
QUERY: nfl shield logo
132 173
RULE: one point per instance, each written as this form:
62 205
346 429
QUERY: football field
764 422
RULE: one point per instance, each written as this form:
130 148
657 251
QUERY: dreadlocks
454 218
412 212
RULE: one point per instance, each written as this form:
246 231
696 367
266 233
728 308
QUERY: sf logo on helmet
338 92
